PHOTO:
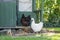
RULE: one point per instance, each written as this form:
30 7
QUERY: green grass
42 36
55 37
23 38
53 28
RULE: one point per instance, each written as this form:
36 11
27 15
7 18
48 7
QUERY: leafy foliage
52 12
51 15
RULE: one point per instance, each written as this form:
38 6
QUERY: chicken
36 27
25 21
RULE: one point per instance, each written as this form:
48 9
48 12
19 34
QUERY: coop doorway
23 7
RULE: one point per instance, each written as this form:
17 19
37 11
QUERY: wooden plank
15 27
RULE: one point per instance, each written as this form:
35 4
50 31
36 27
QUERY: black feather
25 21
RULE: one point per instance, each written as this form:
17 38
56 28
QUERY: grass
23 38
42 37
53 28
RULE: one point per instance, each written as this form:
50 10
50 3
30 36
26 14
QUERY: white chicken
36 27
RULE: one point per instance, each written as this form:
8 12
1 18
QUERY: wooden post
42 10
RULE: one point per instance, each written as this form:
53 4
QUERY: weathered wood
15 27
7 31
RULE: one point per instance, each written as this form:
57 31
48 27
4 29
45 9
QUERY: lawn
47 36
53 28
42 37
23 38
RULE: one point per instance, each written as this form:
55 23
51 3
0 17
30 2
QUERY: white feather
36 27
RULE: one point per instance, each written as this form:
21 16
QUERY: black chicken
25 21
